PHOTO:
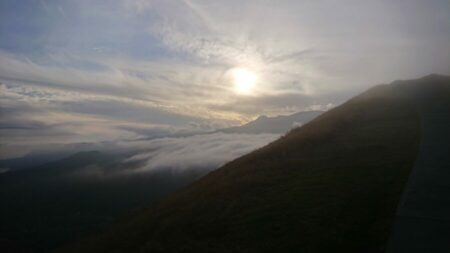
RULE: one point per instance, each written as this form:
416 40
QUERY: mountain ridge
279 124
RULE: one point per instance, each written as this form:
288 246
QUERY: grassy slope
330 186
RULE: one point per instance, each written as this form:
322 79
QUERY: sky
75 71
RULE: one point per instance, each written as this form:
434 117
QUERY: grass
332 185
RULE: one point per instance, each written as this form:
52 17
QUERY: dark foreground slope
423 216
332 185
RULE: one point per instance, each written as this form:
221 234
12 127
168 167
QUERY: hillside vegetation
332 185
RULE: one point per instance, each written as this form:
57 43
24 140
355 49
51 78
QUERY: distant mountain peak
276 125
262 117
435 76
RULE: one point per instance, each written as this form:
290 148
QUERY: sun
244 81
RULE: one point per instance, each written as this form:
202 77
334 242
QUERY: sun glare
244 81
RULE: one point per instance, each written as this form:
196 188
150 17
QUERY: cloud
35 119
185 92
320 107
297 124
160 66
31 117
205 151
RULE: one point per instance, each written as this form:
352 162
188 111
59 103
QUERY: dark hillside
44 207
332 185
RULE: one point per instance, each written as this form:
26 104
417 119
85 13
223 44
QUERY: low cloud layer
206 151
